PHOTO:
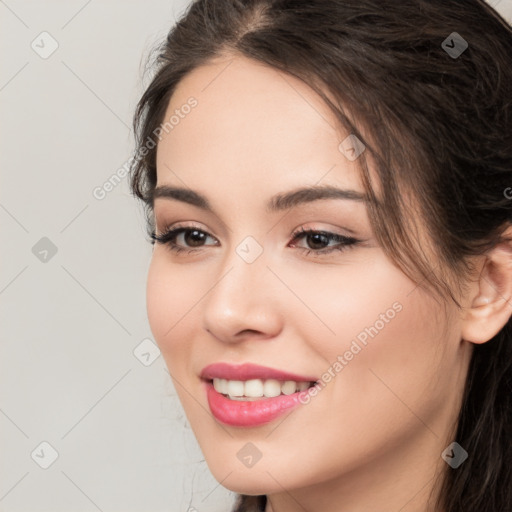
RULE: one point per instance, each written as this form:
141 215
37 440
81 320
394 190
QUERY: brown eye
194 238
317 240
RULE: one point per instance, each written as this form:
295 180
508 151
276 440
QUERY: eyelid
163 211
349 233
177 225
306 227
180 228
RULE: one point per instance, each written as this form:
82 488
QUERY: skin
372 437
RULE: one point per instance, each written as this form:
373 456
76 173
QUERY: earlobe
491 305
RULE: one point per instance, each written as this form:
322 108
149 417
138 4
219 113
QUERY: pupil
318 236
192 236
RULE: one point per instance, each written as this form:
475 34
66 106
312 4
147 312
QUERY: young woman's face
248 287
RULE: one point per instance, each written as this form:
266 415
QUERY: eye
194 237
191 235
321 238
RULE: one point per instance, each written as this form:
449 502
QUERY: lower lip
239 413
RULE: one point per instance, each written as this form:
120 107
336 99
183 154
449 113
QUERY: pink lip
248 371
245 413
238 413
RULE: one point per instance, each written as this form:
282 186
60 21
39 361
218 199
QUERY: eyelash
168 237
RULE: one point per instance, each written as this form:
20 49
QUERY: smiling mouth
258 389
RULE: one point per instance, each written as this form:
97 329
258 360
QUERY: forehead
253 127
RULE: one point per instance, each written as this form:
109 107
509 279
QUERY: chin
243 486
250 481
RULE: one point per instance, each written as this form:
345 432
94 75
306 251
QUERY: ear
490 301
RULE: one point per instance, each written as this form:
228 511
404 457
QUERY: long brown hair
426 85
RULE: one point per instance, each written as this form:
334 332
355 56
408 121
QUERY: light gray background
72 321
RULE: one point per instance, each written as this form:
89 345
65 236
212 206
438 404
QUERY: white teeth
290 387
253 388
271 387
221 385
257 388
235 388
224 386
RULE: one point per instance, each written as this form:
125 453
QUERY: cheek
358 300
170 299
159 298
380 337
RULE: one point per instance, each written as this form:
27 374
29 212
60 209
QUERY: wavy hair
438 127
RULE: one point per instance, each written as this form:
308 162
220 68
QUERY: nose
243 300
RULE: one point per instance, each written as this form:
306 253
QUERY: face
247 286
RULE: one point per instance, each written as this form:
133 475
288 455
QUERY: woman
327 184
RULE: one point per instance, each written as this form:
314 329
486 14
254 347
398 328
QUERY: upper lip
249 371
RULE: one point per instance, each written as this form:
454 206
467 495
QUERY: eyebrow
278 202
